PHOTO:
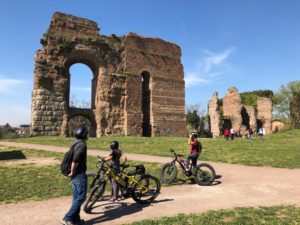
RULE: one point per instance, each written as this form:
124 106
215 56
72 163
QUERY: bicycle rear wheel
92 197
146 189
168 173
204 174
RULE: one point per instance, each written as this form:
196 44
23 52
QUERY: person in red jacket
226 133
195 150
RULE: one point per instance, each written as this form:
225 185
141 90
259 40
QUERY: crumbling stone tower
233 114
137 86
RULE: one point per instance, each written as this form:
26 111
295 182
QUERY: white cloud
209 67
10 85
193 79
215 59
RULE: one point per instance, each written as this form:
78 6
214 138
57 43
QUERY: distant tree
76 103
7 131
193 119
197 119
287 103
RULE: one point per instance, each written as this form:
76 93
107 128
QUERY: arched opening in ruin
81 120
226 124
146 104
259 124
82 87
245 118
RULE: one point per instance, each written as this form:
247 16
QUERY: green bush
7 132
250 98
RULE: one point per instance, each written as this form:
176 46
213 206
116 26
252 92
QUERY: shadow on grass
9 155
109 211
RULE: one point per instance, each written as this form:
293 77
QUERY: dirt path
239 186
91 152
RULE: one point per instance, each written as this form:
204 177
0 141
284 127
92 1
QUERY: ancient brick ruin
137 87
243 118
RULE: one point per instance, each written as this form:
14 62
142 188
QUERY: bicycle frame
179 159
202 173
120 177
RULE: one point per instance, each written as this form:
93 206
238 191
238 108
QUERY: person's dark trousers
192 157
79 185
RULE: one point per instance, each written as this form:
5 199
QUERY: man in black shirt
78 177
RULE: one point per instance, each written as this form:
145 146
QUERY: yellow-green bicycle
142 187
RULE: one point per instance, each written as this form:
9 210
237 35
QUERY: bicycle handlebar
175 154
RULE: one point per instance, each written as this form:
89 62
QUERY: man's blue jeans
79 185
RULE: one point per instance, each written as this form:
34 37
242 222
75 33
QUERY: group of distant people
231 134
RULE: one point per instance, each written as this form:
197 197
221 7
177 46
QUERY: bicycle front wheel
168 173
91 181
95 194
204 174
146 189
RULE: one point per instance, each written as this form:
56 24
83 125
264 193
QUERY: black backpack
65 166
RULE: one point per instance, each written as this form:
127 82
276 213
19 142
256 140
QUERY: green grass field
28 181
277 215
276 150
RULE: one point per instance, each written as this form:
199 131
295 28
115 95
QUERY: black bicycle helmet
81 133
194 135
114 145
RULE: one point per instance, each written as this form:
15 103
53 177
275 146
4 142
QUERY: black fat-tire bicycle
203 173
142 187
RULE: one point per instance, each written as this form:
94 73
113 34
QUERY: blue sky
249 44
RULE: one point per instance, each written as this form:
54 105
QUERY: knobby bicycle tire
204 174
146 189
168 173
91 181
95 194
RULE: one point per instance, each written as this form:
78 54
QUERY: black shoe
79 222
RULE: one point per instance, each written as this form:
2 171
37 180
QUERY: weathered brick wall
47 112
162 61
214 115
117 64
264 113
252 117
232 106
234 110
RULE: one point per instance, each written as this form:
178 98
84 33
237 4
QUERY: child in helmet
114 157
195 150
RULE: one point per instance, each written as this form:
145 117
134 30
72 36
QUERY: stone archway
81 117
259 124
245 118
226 124
82 93
88 59
116 64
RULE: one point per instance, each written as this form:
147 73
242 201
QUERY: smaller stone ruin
231 113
